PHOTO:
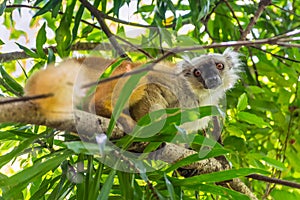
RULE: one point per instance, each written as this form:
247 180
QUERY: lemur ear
184 66
232 57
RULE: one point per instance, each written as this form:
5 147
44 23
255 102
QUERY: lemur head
212 71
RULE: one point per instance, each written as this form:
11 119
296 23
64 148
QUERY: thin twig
284 44
148 67
7 57
285 10
277 56
234 16
274 180
255 68
94 11
25 98
134 46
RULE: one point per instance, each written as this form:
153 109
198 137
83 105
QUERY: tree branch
274 180
234 16
84 123
80 46
261 7
99 16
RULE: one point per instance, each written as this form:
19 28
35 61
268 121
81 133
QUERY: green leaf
4 159
235 143
105 190
83 148
255 89
48 6
108 71
282 194
51 56
56 9
78 17
125 179
242 102
216 176
41 40
44 187
124 96
170 188
28 51
178 23
218 190
1 42
117 5
146 8
21 180
166 36
252 119
274 163
186 40
37 2
103 5
2 7
158 121
11 81
63 33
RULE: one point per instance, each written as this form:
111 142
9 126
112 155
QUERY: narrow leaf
41 40
2 7
51 56
28 51
11 81
48 6
242 102
124 96
21 180
252 119
105 190
170 188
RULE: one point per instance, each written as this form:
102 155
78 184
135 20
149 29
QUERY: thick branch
172 153
83 123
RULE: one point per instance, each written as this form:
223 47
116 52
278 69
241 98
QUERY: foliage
261 132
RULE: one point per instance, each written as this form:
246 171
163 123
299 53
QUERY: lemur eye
197 72
219 66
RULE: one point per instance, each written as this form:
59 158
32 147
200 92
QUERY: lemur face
212 71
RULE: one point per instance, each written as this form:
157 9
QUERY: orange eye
219 66
197 73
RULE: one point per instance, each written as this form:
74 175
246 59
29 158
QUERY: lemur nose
212 82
